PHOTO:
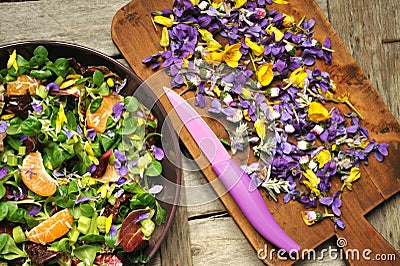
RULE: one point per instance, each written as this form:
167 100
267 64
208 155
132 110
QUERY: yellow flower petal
164 42
167 22
280 2
240 3
109 223
12 61
260 127
278 34
257 49
323 157
312 181
265 75
61 119
205 35
297 77
317 112
233 54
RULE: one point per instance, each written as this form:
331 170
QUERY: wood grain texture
83 22
356 22
373 190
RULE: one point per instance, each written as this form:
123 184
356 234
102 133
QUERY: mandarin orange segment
98 119
52 228
22 84
35 177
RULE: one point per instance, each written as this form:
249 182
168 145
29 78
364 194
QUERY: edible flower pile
261 70
73 155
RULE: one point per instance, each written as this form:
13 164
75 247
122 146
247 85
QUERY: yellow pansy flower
231 55
195 2
297 77
312 181
323 157
265 75
317 112
257 49
288 21
353 176
167 22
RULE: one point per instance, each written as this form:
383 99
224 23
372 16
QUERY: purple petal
158 153
142 217
91 169
119 156
383 149
82 199
121 180
123 170
34 210
369 147
352 129
52 86
326 201
378 156
91 134
118 109
3 171
37 107
119 193
156 189
339 223
3 126
113 230
228 111
200 100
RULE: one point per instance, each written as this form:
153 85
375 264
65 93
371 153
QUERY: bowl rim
167 122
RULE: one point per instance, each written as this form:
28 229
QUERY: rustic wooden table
206 234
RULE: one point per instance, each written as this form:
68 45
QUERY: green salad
75 157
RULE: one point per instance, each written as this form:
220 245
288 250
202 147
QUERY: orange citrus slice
98 119
52 228
22 84
35 177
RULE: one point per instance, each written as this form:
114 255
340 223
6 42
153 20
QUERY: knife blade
235 180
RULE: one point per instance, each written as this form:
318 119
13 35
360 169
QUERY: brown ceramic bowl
171 177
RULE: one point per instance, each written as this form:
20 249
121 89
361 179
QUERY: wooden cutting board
135 36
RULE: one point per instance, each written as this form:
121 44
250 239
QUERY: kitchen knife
236 181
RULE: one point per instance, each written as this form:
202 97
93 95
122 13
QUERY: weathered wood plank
370 30
364 26
86 23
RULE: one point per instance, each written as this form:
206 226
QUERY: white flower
228 99
289 128
203 5
317 130
236 117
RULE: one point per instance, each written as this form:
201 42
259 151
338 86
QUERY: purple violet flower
3 126
3 171
158 152
118 109
82 199
91 134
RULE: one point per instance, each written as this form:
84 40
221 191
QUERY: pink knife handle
238 183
